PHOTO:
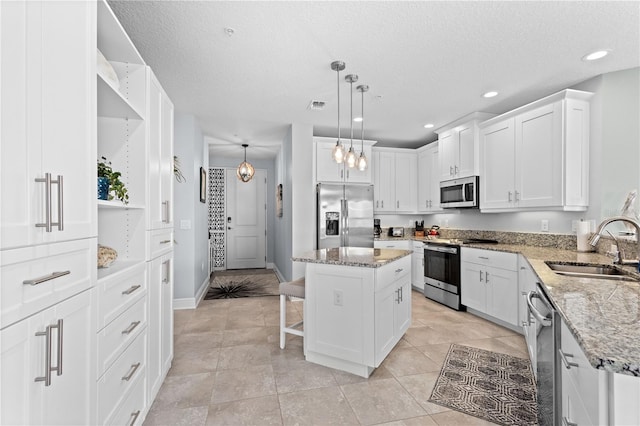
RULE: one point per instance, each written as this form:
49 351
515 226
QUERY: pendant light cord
338 78
351 83
362 123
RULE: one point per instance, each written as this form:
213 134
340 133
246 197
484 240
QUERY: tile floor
228 369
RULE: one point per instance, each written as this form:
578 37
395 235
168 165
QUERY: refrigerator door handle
344 206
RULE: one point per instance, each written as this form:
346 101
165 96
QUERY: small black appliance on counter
376 228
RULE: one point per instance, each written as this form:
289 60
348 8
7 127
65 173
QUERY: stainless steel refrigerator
344 215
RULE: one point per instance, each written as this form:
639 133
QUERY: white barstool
291 289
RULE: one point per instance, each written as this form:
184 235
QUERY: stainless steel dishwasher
547 341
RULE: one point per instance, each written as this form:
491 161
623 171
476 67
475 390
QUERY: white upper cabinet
329 171
537 156
428 179
458 147
395 180
48 122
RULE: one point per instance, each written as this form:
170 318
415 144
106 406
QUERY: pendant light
338 151
362 160
351 155
245 170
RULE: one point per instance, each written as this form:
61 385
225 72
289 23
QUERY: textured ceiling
425 62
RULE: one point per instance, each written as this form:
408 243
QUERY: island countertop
352 256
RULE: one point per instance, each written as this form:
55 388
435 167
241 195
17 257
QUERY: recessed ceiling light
428 126
357 119
229 31
490 94
595 55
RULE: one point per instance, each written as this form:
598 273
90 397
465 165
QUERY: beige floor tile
381 401
197 343
497 345
244 319
233 357
408 360
195 416
322 406
194 362
437 352
420 387
344 378
249 336
243 383
302 375
456 418
414 421
181 318
192 390
205 324
255 411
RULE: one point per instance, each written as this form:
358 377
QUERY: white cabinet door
417 270
434 193
406 178
466 165
538 170
402 314
498 154
502 294
354 175
447 147
384 321
384 183
48 122
473 291
327 170
160 324
424 180
29 395
527 282
160 156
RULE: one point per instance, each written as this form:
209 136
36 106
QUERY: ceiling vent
316 105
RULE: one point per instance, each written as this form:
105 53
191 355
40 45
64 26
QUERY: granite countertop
352 256
603 315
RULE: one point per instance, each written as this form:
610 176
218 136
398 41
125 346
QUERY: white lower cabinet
417 266
160 271
393 314
490 283
44 364
527 282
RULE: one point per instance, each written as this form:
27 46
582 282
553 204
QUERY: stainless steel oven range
442 273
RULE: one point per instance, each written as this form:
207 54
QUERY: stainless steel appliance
460 193
344 215
377 230
442 273
547 366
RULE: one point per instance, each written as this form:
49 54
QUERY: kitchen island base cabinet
354 316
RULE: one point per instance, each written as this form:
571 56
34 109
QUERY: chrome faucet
620 258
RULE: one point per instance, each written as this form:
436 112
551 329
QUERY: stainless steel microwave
460 193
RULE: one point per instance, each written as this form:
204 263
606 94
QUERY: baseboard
270 265
192 302
278 273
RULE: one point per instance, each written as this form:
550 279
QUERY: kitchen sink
590 270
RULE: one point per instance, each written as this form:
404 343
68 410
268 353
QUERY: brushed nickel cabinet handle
60 223
517 196
397 204
165 241
131 327
135 415
565 361
165 218
47 203
167 271
45 278
60 327
486 277
509 199
47 357
480 276
399 270
132 371
131 289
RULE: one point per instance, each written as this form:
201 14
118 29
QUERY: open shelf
118 205
116 267
111 103
113 41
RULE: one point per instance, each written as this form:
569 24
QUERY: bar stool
291 289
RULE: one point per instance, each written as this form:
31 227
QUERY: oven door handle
450 250
544 321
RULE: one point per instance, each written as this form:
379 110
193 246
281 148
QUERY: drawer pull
134 416
399 270
165 241
51 276
565 361
483 257
131 327
132 371
131 289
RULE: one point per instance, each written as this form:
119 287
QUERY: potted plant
109 184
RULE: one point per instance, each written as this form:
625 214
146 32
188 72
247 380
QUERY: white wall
283 225
191 250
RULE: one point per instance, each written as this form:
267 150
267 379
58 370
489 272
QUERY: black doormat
235 286
496 387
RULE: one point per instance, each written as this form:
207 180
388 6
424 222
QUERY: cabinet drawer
120 333
393 244
132 409
118 292
115 385
497 259
392 272
57 271
159 242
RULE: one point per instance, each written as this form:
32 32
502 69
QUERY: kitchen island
357 306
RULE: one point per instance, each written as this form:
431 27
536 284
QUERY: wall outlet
574 226
337 297
544 225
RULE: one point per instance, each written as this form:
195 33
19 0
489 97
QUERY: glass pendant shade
362 162
245 171
338 153
351 158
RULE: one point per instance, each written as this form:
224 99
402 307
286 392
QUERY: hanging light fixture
362 160
338 151
351 155
245 170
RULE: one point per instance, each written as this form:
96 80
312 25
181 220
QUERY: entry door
246 224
